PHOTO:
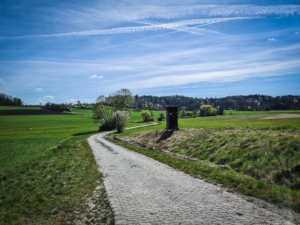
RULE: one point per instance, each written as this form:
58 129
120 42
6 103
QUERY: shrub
103 114
121 120
208 110
161 117
146 115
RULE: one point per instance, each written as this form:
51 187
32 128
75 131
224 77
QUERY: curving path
144 191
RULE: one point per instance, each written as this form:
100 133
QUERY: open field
48 174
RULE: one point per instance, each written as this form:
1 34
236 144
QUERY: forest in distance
238 102
255 102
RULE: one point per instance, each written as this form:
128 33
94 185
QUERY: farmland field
47 170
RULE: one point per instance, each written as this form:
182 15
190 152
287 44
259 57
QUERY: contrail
161 35
121 30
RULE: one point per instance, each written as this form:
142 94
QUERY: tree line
9 100
237 102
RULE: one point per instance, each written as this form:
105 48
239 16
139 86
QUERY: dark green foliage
237 102
8 100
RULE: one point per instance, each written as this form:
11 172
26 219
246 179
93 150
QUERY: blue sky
64 51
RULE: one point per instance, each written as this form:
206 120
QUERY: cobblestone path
144 191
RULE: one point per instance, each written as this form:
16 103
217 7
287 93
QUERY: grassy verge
52 187
262 155
237 182
48 174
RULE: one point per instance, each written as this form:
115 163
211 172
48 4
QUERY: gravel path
144 191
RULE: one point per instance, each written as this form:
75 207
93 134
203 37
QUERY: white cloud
2 81
272 39
38 89
48 96
228 75
96 77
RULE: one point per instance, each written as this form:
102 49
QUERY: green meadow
48 171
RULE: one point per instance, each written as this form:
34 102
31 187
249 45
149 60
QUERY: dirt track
282 116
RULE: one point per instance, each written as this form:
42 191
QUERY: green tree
195 113
120 99
105 107
17 101
208 110
183 112
146 115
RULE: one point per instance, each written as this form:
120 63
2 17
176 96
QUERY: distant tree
183 112
108 110
208 110
121 99
8 100
101 99
146 115
17 101
195 113
220 110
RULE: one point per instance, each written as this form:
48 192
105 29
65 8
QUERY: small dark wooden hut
172 118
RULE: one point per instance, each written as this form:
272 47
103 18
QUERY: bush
121 120
103 114
161 117
108 125
146 114
208 110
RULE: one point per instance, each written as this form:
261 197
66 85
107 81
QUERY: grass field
47 170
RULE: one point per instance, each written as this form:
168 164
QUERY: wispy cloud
143 46
96 77
234 74
48 96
